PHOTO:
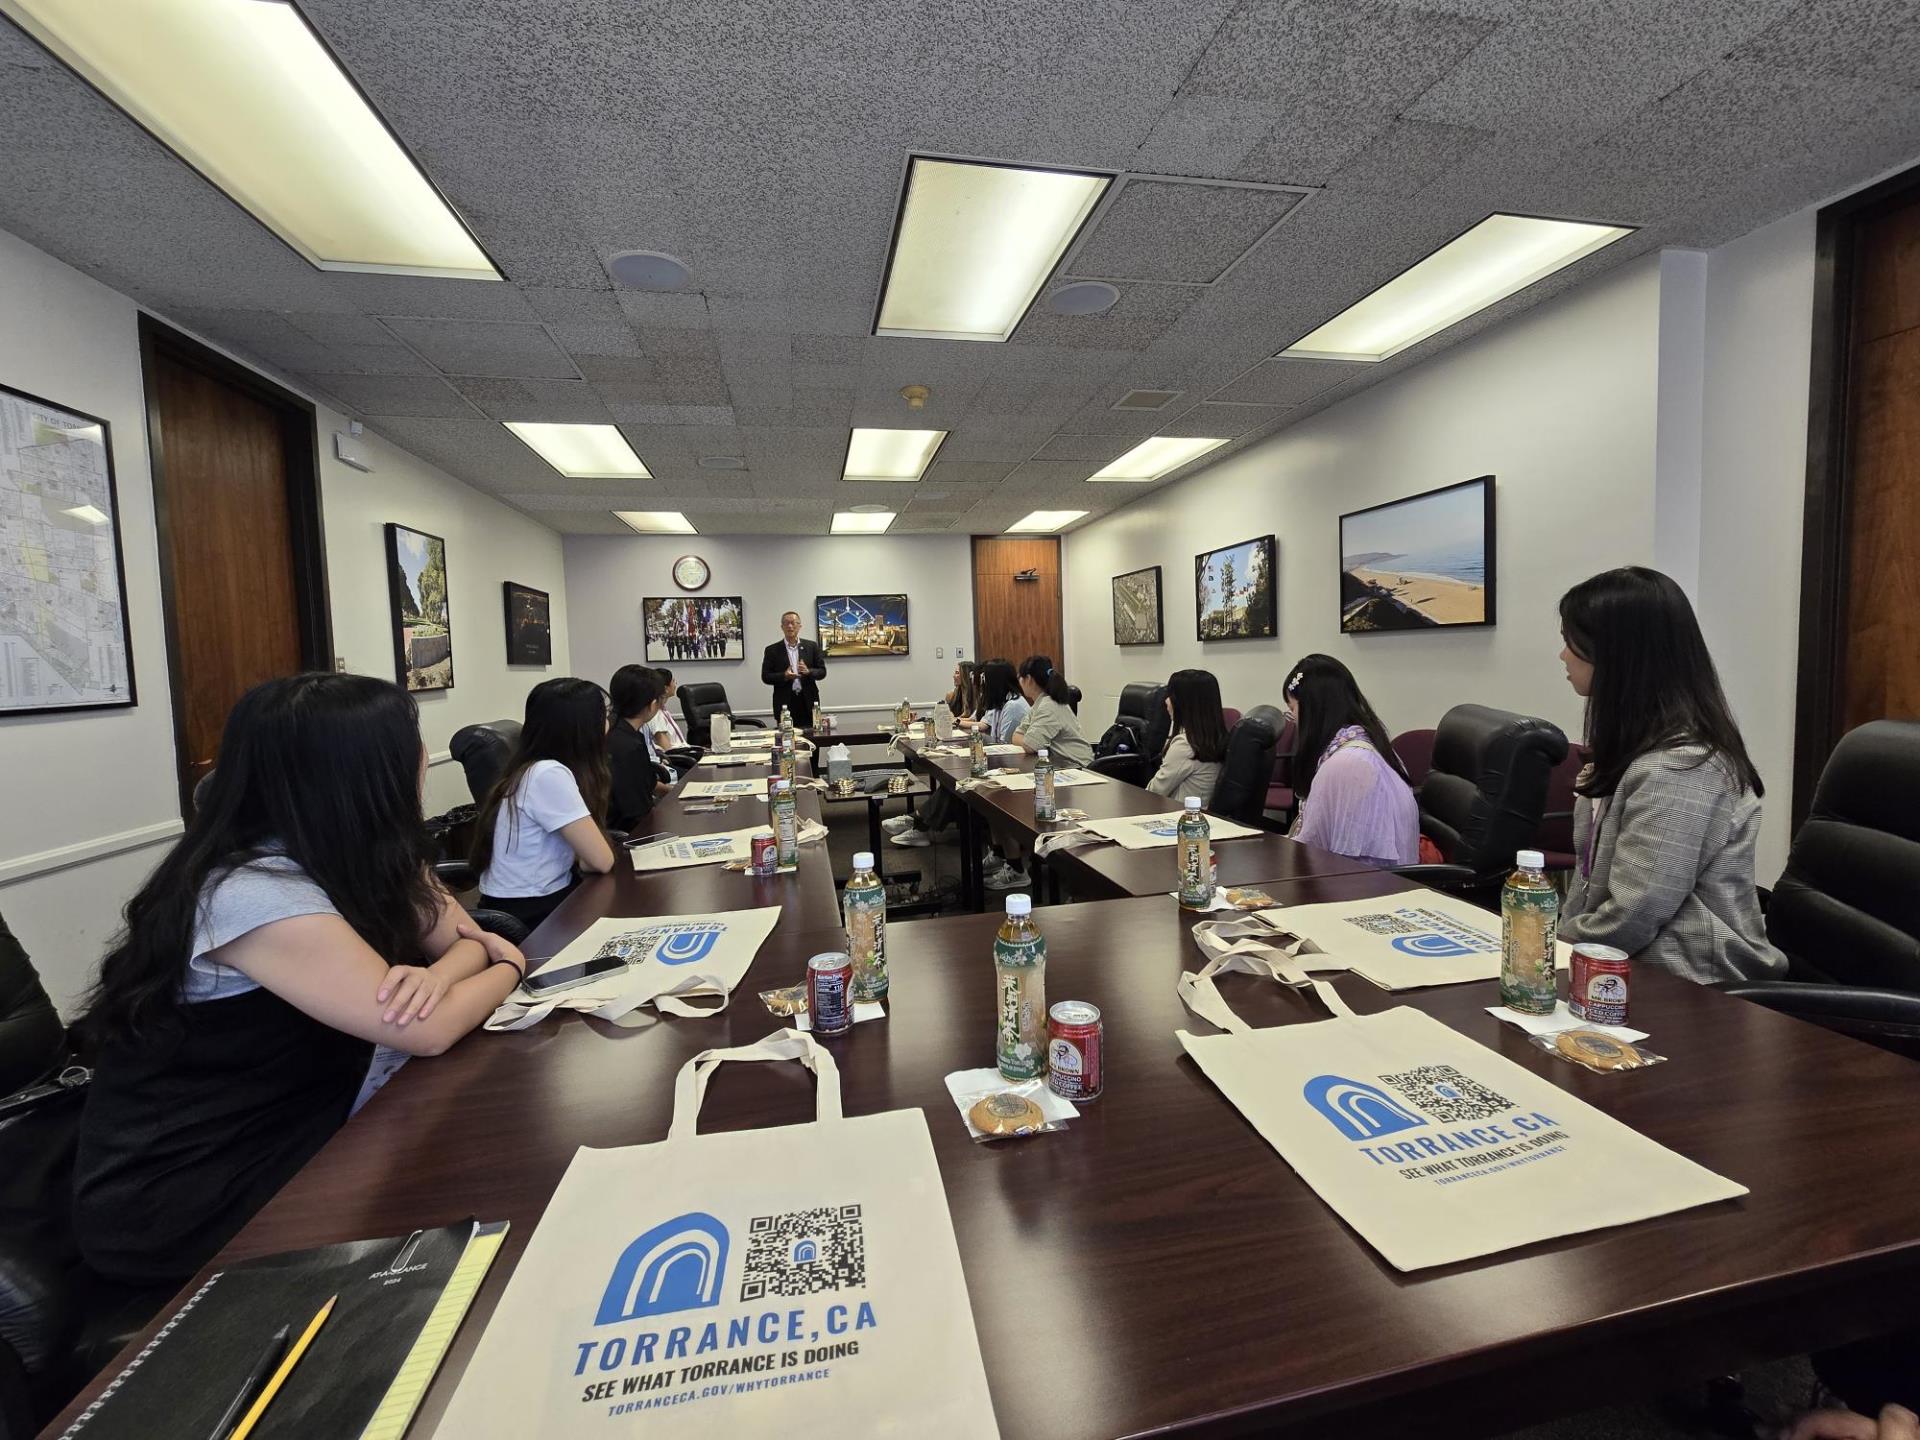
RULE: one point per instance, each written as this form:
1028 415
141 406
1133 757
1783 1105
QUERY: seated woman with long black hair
1354 796
1197 745
294 928
1669 807
541 818
1050 723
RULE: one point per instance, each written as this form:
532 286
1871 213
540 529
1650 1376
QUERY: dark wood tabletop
1157 1267
1106 872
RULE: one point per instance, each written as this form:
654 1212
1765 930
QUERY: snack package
789 1000
995 1108
1595 1049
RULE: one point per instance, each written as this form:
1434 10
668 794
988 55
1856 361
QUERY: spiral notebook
401 1300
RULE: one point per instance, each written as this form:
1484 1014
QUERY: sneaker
1007 878
894 824
913 839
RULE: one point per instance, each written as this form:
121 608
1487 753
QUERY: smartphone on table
543 983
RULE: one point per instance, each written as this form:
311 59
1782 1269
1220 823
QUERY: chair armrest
749 723
1889 1019
456 875
1441 877
498 922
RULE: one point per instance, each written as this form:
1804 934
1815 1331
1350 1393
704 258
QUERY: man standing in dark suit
793 667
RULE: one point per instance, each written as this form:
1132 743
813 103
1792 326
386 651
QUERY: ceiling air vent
1146 399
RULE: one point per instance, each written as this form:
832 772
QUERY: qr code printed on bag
1384 924
805 1252
1447 1095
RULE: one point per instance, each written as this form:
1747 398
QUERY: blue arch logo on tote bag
677 1265
1431 945
687 944
1358 1111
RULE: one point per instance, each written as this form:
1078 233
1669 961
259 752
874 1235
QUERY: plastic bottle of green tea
865 900
1043 803
1194 844
1020 993
1529 923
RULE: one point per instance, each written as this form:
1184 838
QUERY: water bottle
1195 845
1020 994
786 824
977 766
1529 923
1043 808
866 916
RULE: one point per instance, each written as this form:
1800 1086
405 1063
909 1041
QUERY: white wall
87 800
1559 405
608 576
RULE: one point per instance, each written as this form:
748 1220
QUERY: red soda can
1075 1061
830 993
1598 992
764 858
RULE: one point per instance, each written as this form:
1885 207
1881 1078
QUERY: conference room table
1156 1267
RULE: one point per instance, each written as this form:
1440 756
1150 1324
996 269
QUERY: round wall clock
690 572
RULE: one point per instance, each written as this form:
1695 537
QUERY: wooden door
225 498
1880 665
1015 617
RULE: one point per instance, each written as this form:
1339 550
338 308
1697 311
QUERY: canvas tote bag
672 960
1434 1148
801 1281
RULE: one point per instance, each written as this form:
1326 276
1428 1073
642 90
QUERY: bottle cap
1041 752
1530 860
863 860
783 785
1019 904
1193 802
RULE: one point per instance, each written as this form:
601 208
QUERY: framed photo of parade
690 628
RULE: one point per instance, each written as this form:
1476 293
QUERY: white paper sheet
1560 1019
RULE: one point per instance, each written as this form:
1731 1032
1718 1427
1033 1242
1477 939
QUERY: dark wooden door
1880 668
1014 617
224 497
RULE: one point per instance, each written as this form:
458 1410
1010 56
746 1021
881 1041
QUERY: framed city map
64 638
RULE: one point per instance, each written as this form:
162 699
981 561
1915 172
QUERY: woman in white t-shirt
541 817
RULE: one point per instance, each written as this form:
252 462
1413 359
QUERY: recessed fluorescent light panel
1151 459
580 452
249 96
1041 520
848 522
975 243
1500 256
890 454
656 522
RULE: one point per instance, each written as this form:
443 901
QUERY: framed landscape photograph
861 624
422 623
1136 607
1234 592
529 625
1422 563
64 638
704 627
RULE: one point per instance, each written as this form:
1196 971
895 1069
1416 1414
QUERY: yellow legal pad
403 1397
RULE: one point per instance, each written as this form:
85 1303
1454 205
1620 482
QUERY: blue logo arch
1358 1111
677 1265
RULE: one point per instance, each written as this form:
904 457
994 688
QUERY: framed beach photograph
1136 607
853 625
704 627
422 623
64 638
529 625
1422 563
1235 592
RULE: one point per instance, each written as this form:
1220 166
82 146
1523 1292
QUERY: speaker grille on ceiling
1146 399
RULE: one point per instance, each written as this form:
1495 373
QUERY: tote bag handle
1200 995
690 1085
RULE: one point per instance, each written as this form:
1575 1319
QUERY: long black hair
1041 670
322 768
1197 713
1330 700
1654 685
566 721
997 686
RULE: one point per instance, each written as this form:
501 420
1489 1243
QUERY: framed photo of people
64 637
690 628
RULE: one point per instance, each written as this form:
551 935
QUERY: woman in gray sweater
1668 808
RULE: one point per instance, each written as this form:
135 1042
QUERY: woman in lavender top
1355 799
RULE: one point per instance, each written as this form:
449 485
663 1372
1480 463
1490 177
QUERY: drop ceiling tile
1863 39
674 414
1137 319
1164 230
1409 156
830 349
416 298
1287 382
1310 146
625 369
388 359
478 347
1049 473
574 306
1204 135
402 395
665 310
556 401
955 473
580 522
679 344
821 405
596 338
1098 448
1224 421
342 330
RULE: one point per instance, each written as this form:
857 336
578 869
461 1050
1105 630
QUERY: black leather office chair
1136 709
1846 912
483 751
700 701
1241 793
1484 795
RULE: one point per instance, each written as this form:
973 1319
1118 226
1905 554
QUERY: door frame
1824 570
299 425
